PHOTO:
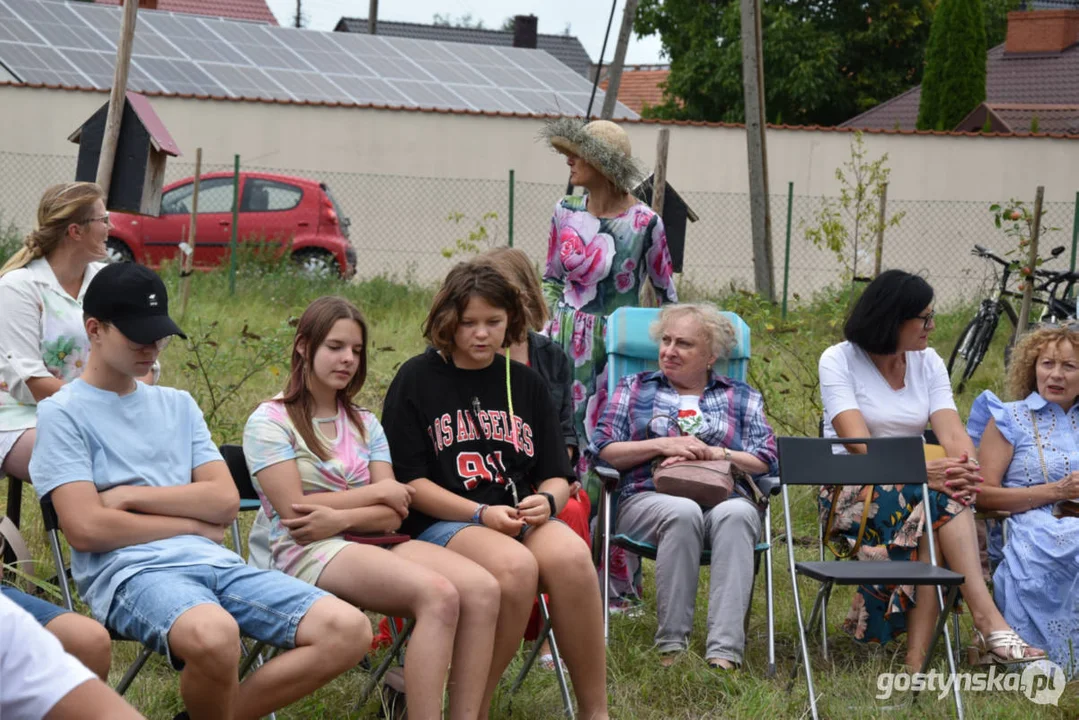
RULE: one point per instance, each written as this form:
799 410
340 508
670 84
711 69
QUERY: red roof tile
532 116
639 87
253 10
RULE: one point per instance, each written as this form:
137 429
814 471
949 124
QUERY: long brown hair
60 206
315 324
467 279
516 265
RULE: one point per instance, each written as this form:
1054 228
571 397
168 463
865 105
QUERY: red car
278 209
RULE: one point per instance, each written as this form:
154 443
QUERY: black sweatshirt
433 431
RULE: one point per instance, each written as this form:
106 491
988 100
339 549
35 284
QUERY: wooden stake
1032 259
372 17
647 296
187 263
117 98
880 230
614 72
757 151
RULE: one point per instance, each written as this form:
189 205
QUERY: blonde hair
60 206
1022 372
516 266
718 330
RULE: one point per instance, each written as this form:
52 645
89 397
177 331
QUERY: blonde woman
1029 450
43 341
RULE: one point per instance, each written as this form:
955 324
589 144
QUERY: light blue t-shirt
154 436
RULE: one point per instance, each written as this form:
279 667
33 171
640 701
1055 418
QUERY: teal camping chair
630 350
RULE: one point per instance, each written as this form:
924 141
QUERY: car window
215 196
261 195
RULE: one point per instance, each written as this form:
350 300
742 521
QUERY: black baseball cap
133 298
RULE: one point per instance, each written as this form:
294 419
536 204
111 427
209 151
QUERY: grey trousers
680 529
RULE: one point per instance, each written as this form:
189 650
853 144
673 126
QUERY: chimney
1041 31
524 31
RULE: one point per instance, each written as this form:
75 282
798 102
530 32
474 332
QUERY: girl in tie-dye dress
597 263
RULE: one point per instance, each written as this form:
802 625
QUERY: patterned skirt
894 527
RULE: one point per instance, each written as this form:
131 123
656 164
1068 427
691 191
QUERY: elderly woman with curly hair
1029 450
705 417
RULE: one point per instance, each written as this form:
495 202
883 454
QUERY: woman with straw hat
603 247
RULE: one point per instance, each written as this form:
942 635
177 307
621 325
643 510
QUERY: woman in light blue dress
1029 453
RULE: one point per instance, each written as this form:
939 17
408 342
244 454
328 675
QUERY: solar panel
56 42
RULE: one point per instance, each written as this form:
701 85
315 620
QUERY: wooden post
1032 259
753 85
647 295
614 73
880 230
187 262
117 97
372 17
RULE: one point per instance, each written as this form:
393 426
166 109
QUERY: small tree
845 225
954 82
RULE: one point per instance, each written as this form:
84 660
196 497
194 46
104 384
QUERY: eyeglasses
926 319
104 218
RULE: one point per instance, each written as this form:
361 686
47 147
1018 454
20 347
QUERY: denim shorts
268 605
444 530
42 610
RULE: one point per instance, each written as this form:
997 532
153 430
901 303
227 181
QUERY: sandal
1003 647
717 664
670 658
546 661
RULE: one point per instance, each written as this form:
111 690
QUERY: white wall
707 164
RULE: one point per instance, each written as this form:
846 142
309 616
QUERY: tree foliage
825 61
954 81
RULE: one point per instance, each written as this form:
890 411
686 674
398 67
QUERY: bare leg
207 639
515 570
376 579
17 461
479 602
331 638
86 639
569 578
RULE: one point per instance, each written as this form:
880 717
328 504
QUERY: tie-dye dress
271 438
594 266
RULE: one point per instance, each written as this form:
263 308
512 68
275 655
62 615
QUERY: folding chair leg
798 607
532 655
236 537
824 612
942 627
61 573
373 680
567 702
605 519
771 672
133 670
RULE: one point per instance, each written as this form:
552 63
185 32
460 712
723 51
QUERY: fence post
1032 263
235 222
187 259
880 230
1075 231
787 251
511 207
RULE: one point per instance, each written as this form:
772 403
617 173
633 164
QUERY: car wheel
118 251
316 263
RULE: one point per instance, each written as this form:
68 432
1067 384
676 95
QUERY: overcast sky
587 18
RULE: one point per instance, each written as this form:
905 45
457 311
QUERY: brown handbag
705 482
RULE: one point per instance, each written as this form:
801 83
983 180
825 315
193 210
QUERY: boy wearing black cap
144 497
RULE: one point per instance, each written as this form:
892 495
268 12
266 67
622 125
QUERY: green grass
784 368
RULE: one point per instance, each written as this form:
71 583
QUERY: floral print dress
594 266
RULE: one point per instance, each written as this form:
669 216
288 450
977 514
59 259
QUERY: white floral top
41 335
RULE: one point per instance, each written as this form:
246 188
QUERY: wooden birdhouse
138 172
675 213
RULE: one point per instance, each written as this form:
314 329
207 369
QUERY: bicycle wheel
969 351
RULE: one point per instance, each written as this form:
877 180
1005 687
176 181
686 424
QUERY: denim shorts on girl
267 605
444 530
42 610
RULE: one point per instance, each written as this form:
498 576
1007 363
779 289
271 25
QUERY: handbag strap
1038 442
11 540
831 520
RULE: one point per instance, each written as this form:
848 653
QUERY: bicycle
974 341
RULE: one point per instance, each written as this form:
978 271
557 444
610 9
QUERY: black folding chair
52 527
249 497
887 461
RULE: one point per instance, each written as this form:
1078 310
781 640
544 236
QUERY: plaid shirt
734 413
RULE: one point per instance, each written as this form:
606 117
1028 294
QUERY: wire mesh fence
410 228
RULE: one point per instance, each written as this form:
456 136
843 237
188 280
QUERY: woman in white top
885 381
42 339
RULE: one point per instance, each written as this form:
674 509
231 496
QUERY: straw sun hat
601 143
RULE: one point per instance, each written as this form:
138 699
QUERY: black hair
890 300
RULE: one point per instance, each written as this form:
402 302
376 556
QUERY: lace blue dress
1036 583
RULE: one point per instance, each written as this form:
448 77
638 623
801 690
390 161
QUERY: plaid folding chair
889 461
630 349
